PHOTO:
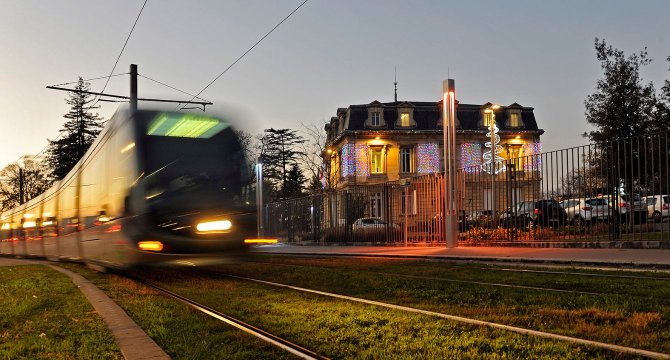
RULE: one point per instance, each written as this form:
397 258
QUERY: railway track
275 340
494 284
460 319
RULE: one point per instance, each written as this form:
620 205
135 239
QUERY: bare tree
31 176
316 157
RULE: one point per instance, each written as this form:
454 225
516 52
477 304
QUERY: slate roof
427 115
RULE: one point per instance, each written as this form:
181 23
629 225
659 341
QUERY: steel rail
540 263
239 324
470 321
515 286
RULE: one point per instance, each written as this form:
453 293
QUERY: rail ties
239 324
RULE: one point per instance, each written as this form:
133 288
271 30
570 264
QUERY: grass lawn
343 329
45 316
180 331
632 312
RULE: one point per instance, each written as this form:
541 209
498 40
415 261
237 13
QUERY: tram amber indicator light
150 245
210 226
261 241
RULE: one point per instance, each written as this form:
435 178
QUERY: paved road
621 257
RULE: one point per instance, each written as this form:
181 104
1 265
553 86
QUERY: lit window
487 118
404 119
376 166
514 120
375 118
405 160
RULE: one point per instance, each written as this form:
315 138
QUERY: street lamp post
449 132
259 198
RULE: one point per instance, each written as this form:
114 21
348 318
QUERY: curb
609 264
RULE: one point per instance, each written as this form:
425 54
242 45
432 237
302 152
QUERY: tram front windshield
193 162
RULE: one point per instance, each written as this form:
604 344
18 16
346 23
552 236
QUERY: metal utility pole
21 186
450 183
133 88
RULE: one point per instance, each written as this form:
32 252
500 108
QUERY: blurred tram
155 187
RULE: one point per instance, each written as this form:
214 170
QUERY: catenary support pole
133 88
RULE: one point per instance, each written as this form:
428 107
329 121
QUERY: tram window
67 214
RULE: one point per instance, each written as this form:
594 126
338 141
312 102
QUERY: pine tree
622 106
295 181
315 186
80 130
662 114
278 153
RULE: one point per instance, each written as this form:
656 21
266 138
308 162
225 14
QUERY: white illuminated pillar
449 131
259 198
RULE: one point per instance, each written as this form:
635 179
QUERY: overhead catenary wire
111 73
171 87
91 79
120 53
248 50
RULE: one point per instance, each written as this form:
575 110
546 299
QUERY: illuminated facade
380 142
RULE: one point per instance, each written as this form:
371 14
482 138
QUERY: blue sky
329 54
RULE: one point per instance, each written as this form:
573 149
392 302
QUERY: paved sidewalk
134 343
659 258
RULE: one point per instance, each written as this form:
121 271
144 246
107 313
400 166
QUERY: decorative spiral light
493 164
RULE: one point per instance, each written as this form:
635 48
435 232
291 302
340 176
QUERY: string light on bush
427 158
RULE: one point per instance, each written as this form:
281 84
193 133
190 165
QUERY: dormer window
375 115
514 120
404 119
375 118
488 117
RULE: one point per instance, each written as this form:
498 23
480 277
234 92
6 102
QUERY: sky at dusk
330 54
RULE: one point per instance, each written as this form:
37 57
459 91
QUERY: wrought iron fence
615 191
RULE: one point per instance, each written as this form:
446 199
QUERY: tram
155 187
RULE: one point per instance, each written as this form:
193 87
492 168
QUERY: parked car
585 210
371 224
657 207
528 214
628 205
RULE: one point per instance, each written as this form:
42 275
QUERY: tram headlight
212 226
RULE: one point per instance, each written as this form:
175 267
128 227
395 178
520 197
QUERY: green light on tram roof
185 125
